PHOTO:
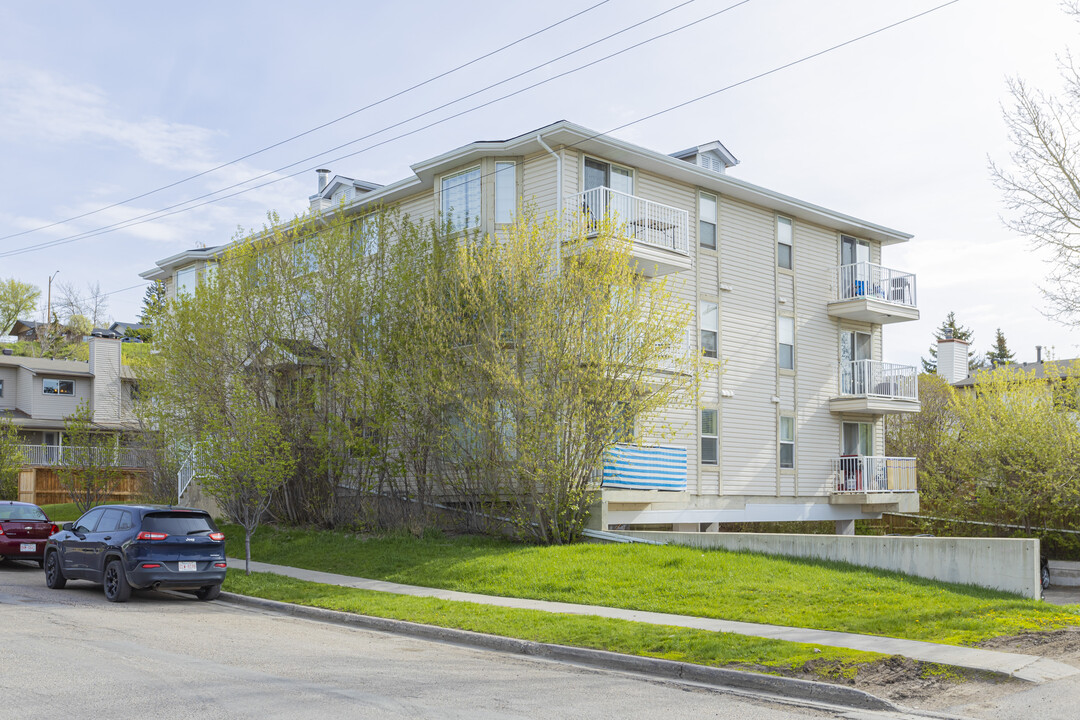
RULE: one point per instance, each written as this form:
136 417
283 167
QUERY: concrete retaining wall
1000 564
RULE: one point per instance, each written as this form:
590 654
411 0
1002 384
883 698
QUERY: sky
104 102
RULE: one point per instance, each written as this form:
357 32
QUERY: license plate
27 547
187 567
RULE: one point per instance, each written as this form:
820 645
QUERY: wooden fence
41 486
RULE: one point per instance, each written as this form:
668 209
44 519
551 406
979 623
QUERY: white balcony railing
865 474
872 378
52 455
645 221
867 280
185 475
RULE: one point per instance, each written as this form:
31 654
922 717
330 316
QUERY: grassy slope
130 353
734 586
672 643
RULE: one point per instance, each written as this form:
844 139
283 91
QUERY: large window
858 439
784 235
787 441
187 280
1 388
710 438
707 220
54 386
787 343
710 328
461 199
505 192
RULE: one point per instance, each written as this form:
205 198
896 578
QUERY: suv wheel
210 592
116 584
54 574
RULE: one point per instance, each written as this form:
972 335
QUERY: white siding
9 377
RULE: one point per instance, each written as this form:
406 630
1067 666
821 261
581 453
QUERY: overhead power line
803 59
208 198
322 126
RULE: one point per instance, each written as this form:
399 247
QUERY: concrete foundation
1005 564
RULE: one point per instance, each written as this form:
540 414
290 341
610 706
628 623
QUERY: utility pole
48 311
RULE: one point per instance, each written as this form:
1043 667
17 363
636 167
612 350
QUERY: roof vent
9 351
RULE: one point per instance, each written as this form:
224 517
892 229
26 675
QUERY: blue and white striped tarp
657 467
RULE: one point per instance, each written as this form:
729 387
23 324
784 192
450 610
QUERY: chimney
106 402
1038 353
324 178
952 359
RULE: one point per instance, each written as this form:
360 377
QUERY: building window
707 220
784 235
460 199
787 343
366 233
858 439
710 438
787 441
505 192
710 328
187 280
53 386
1 388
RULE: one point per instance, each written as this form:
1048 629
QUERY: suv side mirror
66 526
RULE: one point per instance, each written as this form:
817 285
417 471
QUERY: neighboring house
955 368
37 394
790 299
25 330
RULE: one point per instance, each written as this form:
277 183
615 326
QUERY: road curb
654 667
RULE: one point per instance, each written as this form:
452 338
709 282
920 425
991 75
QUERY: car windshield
22 512
178 523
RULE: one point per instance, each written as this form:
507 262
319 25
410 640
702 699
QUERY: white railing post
870 474
643 220
861 378
870 280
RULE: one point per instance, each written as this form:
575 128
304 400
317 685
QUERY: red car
24 528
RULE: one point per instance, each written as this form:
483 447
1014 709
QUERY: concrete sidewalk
1025 667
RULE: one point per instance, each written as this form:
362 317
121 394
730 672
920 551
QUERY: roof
569 135
715 147
70 368
1056 368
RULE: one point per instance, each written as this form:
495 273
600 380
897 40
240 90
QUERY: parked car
125 547
24 528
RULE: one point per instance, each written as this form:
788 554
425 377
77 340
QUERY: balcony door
854 375
855 259
858 439
598 202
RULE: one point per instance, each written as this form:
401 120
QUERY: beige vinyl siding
419 208
817 429
748 329
105 364
538 182
25 399
10 378
58 407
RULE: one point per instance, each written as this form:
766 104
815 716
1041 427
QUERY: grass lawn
661 641
709 583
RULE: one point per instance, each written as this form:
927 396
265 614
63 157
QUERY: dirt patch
1063 645
907 682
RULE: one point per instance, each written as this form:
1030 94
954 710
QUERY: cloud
36 105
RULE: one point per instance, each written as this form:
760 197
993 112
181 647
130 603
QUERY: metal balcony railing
52 455
872 378
644 221
874 281
865 474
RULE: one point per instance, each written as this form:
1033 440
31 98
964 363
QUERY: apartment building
790 298
38 394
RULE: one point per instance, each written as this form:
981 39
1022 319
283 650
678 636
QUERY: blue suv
127 547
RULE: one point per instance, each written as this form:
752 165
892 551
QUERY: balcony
877 388
871 293
879 484
45 456
660 233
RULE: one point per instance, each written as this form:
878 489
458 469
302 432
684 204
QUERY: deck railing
872 378
866 474
643 220
185 475
53 455
874 281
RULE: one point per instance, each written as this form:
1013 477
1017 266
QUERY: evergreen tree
949 327
153 302
999 354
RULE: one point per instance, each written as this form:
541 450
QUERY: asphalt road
70 652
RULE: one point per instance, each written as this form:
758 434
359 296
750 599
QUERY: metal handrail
53 455
870 280
873 378
864 474
647 222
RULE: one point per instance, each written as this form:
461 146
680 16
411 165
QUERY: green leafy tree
11 460
999 354
246 459
17 299
950 328
88 469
